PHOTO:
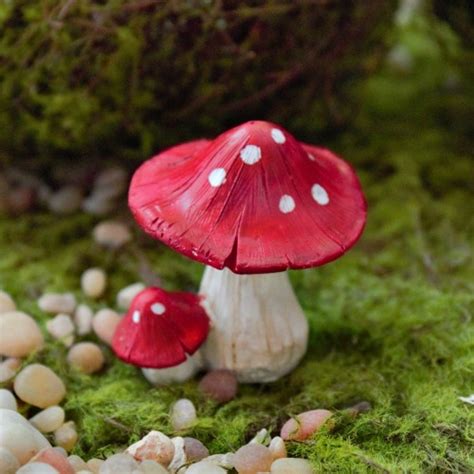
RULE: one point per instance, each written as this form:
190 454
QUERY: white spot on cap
158 308
311 157
287 204
319 194
217 177
250 154
278 136
136 316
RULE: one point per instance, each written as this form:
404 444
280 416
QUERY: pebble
83 319
113 179
57 303
9 368
112 234
219 385
262 437
93 282
118 463
66 200
24 334
291 466
37 468
7 400
60 450
252 458
49 419
39 386
205 467
304 425
8 462
152 467
61 327
66 436
55 459
125 295
155 446
277 448
358 408
6 303
222 460
183 414
77 463
96 205
19 440
94 465
105 323
86 357
194 449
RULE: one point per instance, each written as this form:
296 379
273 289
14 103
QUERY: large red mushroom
251 204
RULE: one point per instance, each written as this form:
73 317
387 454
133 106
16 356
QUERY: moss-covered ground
391 322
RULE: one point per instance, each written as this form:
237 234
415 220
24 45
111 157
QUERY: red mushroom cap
160 328
254 200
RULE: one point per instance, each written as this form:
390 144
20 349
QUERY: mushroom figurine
251 204
161 333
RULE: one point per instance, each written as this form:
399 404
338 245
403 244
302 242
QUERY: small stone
61 327
39 386
277 448
55 459
7 400
49 419
6 303
8 462
219 385
83 319
155 446
8 369
112 234
98 205
223 460
86 357
358 408
19 440
122 462
77 463
126 295
304 425
194 449
24 334
114 179
37 468
152 467
105 323
94 465
252 458
291 466
205 467
66 200
262 437
183 414
57 303
93 282
61 451
66 436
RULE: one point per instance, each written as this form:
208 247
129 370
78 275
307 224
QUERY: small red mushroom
161 329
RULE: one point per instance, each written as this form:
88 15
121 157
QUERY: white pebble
105 323
183 414
57 303
98 205
93 282
8 462
277 448
86 357
155 446
83 319
112 234
77 463
49 419
291 466
112 178
94 465
9 368
116 463
152 467
24 334
7 400
19 440
66 200
61 327
6 302
126 295
37 468
66 436
262 437
205 467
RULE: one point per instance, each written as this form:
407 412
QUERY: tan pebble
219 385
152 467
37 468
24 334
252 458
19 440
291 466
183 414
93 282
224 460
49 419
83 319
6 303
57 303
66 200
122 462
205 467
77 463
86 357
55 459
105 323
125 295
61 451
39 386
277 448
66 436
155 446
112 234
304 425
94 465
8 462
61 327
8 369
7 400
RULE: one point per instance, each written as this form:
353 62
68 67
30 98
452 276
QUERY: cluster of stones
21 191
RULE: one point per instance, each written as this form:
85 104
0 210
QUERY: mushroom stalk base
258 328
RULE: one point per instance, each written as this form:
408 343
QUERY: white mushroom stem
258 330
